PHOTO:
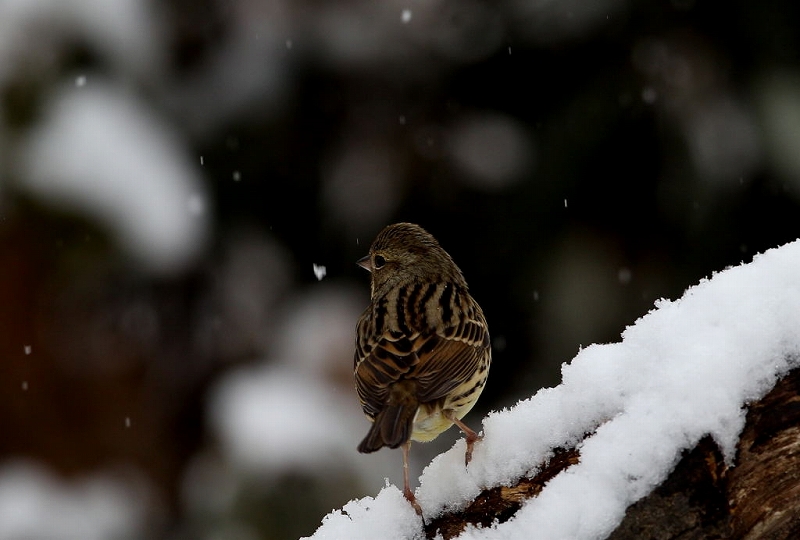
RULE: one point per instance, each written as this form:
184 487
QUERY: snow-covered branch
628 411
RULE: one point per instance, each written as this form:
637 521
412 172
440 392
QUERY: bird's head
405 253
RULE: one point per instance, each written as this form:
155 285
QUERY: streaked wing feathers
440 357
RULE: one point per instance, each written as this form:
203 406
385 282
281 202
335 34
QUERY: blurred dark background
185 186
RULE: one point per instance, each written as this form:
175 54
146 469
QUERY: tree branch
758 497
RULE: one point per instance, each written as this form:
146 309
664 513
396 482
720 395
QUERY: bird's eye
378 262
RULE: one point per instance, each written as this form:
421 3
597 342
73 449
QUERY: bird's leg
471 435
406 484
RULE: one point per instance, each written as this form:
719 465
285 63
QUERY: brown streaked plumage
422 345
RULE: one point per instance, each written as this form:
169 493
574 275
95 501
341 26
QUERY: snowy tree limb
757 497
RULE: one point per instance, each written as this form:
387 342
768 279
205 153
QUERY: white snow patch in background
127 33
646 399
261 424
36 504
101 152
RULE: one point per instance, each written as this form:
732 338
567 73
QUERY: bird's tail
392 425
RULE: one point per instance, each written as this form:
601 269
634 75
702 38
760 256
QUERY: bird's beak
365 263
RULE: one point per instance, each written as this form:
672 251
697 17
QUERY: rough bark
756 498
764 487
500 503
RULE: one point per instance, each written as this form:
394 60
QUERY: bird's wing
450 358
439 361
379 362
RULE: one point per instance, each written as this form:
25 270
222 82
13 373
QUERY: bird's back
426 339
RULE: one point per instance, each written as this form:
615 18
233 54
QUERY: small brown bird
422 345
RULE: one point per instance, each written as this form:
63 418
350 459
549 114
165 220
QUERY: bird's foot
471 435
472 438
